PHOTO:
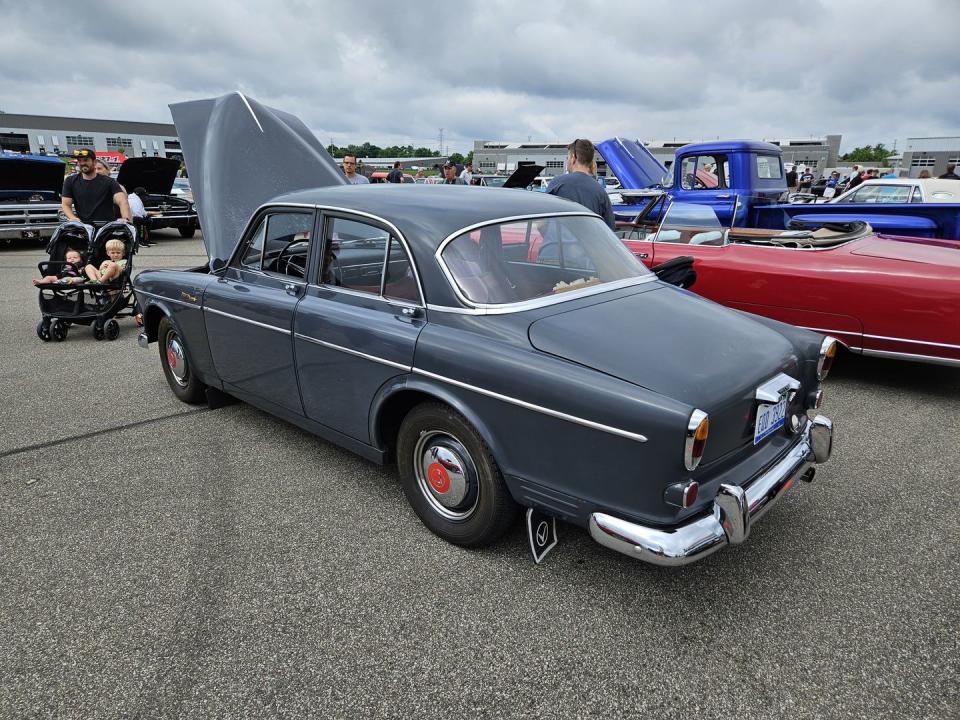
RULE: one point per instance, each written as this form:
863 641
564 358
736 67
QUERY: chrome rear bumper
734 509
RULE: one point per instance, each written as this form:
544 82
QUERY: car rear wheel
450 477
176 364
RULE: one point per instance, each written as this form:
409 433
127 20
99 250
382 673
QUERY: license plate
769 419
29 234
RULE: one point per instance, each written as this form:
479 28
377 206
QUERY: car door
705 179
358 322
249 310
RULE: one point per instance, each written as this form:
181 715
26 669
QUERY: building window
75 142
119 144
955 160
554 163
487 165
922 162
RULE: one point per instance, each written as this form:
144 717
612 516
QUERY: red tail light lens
698 428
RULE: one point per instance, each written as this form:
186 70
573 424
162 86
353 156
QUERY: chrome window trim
356 353
536 408
504 308
246 320
195 306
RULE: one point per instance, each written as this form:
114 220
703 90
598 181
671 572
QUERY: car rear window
516 261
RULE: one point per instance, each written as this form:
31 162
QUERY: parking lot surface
163 560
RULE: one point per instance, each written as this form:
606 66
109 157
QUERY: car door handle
723 196
411 311
643 256
292 289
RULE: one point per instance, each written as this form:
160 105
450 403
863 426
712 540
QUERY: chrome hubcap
446 474
177 360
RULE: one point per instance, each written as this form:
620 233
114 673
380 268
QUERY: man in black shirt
579 185
950 174
88 197
395 175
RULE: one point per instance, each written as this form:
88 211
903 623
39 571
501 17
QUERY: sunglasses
81 153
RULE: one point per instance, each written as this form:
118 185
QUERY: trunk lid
679 345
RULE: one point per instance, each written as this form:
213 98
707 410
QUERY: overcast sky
396 72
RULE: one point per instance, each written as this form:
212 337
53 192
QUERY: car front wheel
176 364
451 478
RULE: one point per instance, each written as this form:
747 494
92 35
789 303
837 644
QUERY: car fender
438 391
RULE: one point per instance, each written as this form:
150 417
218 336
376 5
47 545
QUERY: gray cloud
396 72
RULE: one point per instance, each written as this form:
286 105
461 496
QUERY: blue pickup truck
745 184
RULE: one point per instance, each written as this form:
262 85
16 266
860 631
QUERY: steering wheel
290 268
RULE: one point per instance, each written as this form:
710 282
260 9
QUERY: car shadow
897 374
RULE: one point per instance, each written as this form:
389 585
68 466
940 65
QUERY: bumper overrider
734 508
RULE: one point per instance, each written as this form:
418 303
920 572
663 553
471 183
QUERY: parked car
30 188
181 189
164 208
881 295
396 323
902 190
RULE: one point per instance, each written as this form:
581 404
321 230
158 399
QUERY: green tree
876 153
469 157
456 158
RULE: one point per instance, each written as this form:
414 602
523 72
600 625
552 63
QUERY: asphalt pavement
160 560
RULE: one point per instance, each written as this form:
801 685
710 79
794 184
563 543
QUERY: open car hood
25 173
239 155
153 174
523 176
635 166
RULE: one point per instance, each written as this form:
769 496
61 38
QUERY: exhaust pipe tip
808 476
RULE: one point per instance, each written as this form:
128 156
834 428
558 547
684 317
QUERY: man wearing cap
450 174
579 185
88 197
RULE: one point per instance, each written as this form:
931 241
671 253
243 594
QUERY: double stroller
86 303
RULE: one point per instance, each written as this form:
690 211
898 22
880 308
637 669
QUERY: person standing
89 197
467 174
350 170
139 214
450 174
950 174
792 179
855 173
395 175
578 185
805 181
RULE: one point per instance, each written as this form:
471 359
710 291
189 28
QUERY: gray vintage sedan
503 348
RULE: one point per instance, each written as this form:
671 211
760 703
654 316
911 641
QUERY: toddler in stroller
103 295
70 273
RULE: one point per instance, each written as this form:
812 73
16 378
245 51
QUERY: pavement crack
95 433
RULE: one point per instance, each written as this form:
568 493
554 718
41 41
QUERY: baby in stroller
103 291
70 273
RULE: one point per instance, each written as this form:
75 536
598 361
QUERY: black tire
111 330
43 330
187 231
176 366
471 507
97 330
58 331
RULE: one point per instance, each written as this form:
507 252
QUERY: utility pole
440 144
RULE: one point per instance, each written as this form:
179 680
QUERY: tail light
697 430
682 495
828 351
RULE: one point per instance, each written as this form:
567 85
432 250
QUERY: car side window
865 195
250 255
354 255
400 282
704 172
287 243
893 194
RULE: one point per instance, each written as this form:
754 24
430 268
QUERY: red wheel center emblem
438 477
171 359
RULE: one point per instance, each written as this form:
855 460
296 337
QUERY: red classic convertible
882 295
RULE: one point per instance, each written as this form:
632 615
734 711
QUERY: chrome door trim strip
195 306
536 408
284 331
917 342
356 353
932 359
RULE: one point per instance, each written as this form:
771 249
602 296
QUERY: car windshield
494 181
524 260
690 223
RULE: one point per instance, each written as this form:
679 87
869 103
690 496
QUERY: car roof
730 146
427 214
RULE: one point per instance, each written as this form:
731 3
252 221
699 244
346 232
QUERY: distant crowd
802 179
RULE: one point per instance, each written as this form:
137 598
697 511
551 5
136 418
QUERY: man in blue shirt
579 185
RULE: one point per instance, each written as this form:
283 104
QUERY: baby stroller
88 302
